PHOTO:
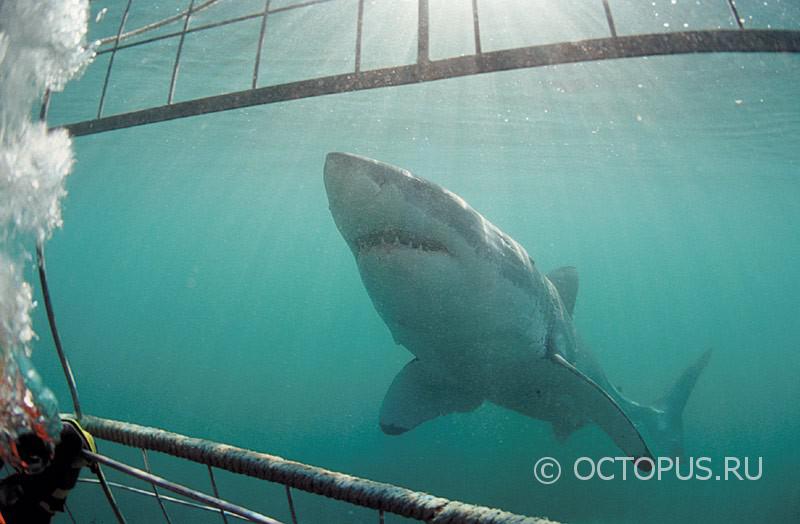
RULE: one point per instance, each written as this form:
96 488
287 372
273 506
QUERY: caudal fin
674 401
664 422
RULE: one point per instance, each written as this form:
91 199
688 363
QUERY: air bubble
42 46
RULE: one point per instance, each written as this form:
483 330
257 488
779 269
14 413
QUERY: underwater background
200 284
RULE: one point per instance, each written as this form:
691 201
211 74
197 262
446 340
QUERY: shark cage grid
294 475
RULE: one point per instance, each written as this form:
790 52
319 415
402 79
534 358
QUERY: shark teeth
399 238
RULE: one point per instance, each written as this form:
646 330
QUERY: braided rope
340 486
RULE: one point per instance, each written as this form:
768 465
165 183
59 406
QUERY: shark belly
473 336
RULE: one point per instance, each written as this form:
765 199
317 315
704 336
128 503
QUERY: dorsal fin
563 428
566 281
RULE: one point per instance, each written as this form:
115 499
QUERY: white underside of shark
483 323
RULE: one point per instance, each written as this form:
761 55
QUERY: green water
201 285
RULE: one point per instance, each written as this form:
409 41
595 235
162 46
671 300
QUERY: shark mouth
395 238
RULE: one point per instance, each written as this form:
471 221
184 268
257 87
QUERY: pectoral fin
600 407
563 428
418 394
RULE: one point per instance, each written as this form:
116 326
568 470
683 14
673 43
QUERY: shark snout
350 184
363 194
350 177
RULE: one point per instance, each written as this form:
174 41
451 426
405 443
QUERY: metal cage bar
65 366
423 33
359 33
156 25
424 70
198 496
290 501
112 502
476 27
204 27
111 60
176 67
216 492
69 513
51 319
331 484
156 494
261 35
735 12
609 18
166 498
685 42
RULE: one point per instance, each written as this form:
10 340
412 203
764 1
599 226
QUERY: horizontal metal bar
715 41
298 5
204 27
208 500
155 25
311 479
174 34
166 498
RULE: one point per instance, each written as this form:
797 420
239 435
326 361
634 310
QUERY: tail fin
663 422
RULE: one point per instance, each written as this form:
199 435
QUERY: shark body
483 323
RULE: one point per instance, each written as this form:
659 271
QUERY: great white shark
482 321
